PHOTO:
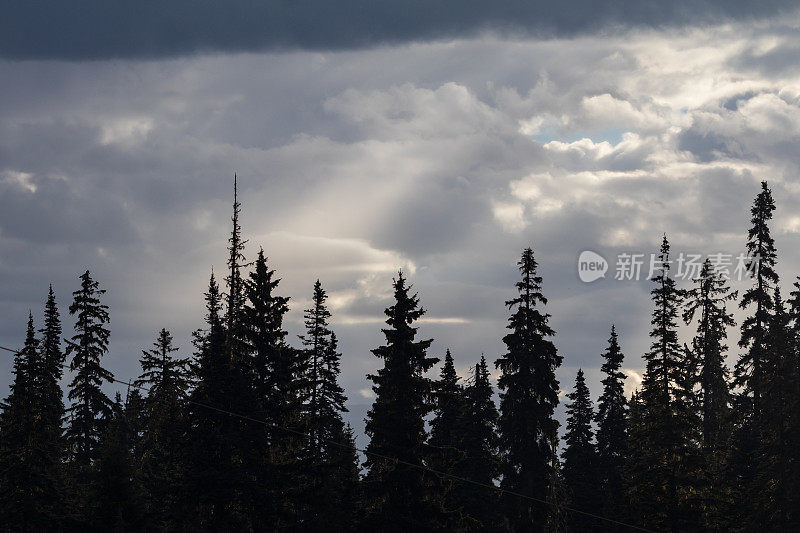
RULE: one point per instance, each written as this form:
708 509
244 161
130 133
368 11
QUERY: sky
440 138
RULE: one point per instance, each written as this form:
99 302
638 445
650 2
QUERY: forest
248 434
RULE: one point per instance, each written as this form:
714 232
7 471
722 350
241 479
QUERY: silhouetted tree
324 456
749 370
20 476
612 432
160 452
666 490
446 438
278 385
707 302
400 493
580 458
528 431
479 445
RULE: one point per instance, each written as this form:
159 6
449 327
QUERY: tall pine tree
706 302
400 493
529 396
160 453
748 375
480 448
91 408
580 458
612 431
18 468
664 486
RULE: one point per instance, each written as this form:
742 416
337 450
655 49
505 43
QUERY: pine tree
761 250
580 458
278 388
748 375
528 431
400 493
18 501
667 489
479 445
612 432
707 301
447 436
324 458
773 485
52 397
210 498
160 452
792 362
91 408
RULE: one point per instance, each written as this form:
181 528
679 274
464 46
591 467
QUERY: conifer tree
18 501
91 408
792 362
447 436
325 458
667 489
399 491
707 302
160 453
748 375
580 458
761 250
278 387
773 485
612 431
528 431
52 359
479 446
210 498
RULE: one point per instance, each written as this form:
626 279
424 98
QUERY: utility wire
384 457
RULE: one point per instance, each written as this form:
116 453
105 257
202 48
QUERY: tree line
247 433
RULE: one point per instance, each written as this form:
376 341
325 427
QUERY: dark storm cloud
95 29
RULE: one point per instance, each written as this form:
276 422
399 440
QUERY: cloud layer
443 158
98 29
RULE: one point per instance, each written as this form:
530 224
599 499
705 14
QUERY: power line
384 457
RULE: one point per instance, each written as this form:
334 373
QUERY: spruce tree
759 298
160 452
748 375
667 488
52 397
480 447
399 492
18 501
447 436
325 459
529 396
793 409
209 497
707 302
278 387
612 431
91 408
775 453
580 458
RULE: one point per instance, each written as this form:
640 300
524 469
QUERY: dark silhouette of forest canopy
245 431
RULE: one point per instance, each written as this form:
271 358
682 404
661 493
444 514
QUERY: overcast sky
436 138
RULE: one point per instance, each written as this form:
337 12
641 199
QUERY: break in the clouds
98 29
442 158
